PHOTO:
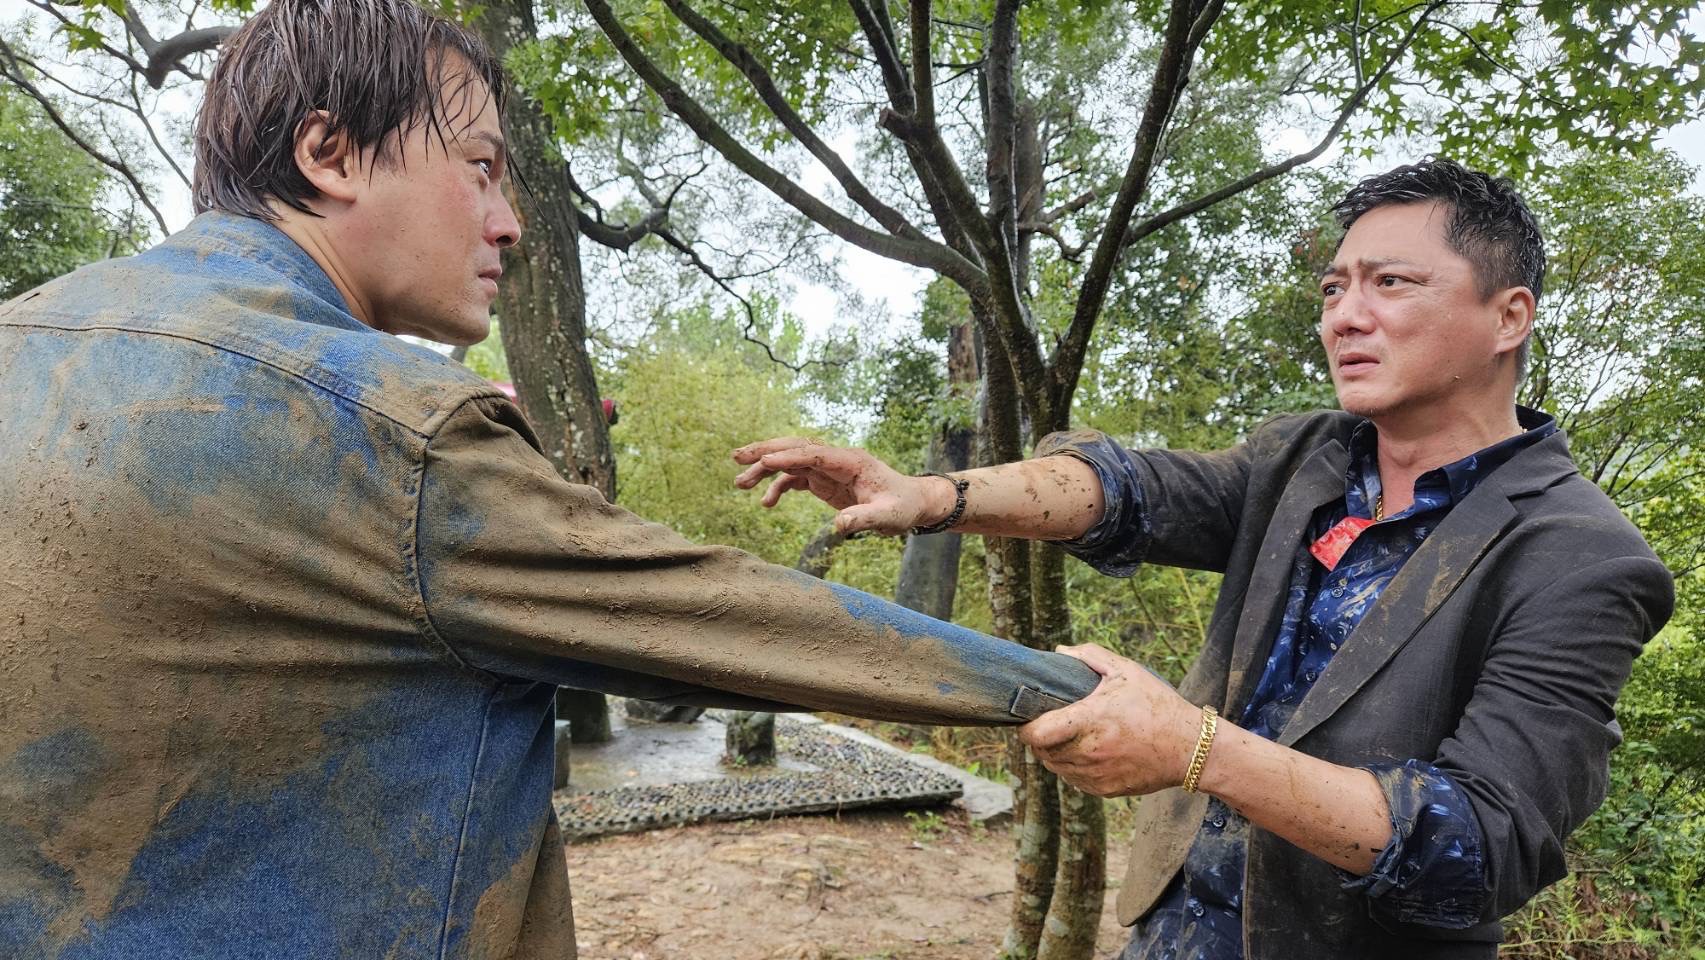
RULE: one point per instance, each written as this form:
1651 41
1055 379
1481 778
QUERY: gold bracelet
1205 740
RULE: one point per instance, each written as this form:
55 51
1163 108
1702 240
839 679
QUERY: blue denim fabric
285 601
1432 869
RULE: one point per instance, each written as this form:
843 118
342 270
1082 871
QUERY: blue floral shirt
1433 869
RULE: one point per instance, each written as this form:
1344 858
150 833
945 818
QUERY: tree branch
153 137
72 26
1007 314
170 53
1068 251
1170 76
879 32
13 71
764 84
1002 128
749 333
619 238
927 254
1349 109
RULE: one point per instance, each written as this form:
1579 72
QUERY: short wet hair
376 67
1490 225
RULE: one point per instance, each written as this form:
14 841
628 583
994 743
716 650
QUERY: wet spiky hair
376 67
1490 226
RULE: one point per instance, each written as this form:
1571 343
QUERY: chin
1365 406
465 331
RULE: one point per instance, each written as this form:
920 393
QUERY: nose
503 228
1348 314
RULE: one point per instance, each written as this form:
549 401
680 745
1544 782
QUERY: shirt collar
1441 486
256 256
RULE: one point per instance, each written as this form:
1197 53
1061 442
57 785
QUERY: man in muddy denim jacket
285 599
1405 699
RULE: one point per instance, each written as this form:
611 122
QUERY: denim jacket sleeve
524 574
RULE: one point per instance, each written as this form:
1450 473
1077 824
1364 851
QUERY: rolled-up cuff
1118 543
1433 870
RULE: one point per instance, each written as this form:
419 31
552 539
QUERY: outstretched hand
869 494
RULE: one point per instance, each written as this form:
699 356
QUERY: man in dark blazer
1406 698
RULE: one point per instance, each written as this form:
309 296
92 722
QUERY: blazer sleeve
1532 748
523 574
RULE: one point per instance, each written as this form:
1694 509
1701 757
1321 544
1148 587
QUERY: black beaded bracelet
959 488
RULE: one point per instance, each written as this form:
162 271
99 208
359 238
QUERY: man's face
429 225
1403 322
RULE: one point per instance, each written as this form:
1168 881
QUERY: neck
314 236
1411 445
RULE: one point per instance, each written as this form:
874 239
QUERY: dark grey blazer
1496 654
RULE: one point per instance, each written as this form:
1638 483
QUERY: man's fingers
1097 658
750 476
783 484
836 462
752 452
1050 731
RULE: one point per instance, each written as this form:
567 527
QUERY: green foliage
487 358
1491 83
927 825
1649 837
577 77
688 398
51 220
1620 346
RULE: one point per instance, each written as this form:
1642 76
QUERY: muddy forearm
1337 813
1051 498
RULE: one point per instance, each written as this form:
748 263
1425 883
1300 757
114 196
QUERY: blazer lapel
1426 581
1319 480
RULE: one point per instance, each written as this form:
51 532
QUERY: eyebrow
1368 264
497 142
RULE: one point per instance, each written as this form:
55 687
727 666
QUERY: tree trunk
751 739
1079 834
587 713
543 306
1074 915
929 567
1035 797
819 554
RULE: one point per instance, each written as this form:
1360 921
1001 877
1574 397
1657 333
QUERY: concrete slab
983 800
663 774
644 753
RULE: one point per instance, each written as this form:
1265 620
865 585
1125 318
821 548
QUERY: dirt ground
861 886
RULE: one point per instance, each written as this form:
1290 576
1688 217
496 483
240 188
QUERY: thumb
1051 729
1097 658
865 516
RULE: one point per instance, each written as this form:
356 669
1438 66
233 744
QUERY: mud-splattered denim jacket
283 604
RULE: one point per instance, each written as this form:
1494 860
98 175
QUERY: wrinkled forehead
1398 232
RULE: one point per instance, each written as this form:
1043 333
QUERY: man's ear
328 160
1515 317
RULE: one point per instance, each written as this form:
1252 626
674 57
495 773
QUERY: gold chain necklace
1379 506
